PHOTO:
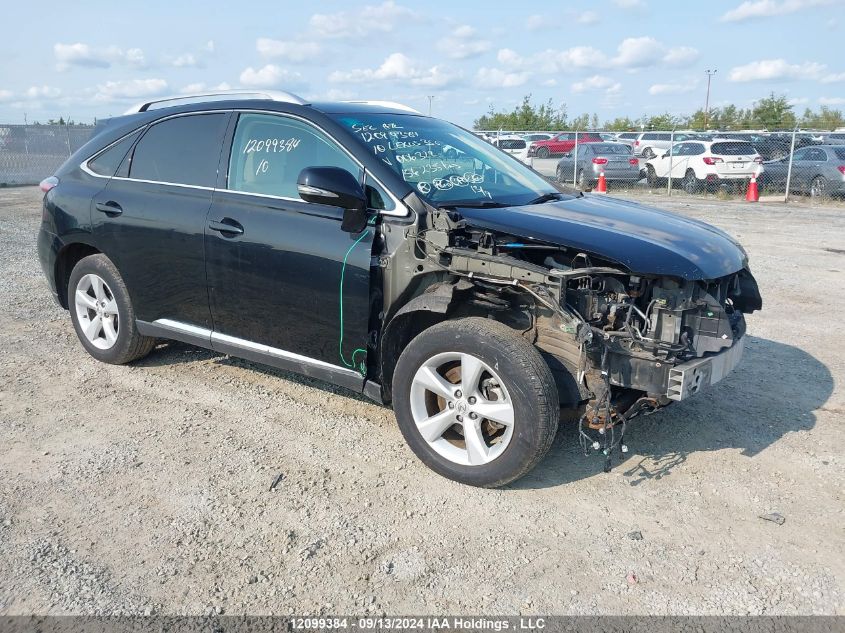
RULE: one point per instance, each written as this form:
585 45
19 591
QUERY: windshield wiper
546 197
474 204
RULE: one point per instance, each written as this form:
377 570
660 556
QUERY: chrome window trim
397 212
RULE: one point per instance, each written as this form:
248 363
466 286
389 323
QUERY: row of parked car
696 161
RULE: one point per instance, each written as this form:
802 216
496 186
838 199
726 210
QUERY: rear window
838 137
608 148
736 148
629 135
840 153
106 163
183 150
512 144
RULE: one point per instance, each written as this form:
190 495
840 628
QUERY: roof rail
388 104
219 95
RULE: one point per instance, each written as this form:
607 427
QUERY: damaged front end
620 342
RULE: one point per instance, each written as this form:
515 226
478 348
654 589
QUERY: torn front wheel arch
420 313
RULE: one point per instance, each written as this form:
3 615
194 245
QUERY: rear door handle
226 225
110 207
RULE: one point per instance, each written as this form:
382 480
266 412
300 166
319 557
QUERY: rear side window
183 150
512 144
840 153
107 162
269 152
816 154
732 148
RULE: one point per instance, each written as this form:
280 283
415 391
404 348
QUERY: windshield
611 148
446 165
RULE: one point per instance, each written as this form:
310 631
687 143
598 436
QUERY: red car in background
562 143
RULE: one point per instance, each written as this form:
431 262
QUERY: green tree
620 124
525 116
773 112
825 119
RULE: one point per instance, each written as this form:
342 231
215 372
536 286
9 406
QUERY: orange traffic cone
602 184
752 195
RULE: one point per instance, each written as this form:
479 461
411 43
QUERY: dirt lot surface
145 488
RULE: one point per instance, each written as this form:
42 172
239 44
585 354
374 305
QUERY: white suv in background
695 164
514 145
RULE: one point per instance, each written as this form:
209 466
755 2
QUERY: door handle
226 225
110 207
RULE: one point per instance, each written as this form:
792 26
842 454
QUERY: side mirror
666 155
335 187
568 155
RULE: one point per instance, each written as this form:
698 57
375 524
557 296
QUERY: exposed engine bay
620 343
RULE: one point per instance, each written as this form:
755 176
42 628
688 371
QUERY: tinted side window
695 149
183 150
106 164
800 154
269 152
816 154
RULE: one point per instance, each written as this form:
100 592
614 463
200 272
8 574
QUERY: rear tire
818 188
468 367
651 176
583 184
102 313
648 153
543 152
690 183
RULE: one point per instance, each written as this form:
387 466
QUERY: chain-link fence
30 153
774 165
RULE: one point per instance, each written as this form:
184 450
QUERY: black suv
339 240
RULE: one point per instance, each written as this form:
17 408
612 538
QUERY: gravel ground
146 488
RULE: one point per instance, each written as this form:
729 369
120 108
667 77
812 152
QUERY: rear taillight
48 183
599 161
841 169
758 160
712 160
636 143
633 161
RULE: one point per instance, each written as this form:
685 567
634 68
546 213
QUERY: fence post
575 162
671 156
67 138
789 168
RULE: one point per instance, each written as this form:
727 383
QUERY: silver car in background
615 160
818 170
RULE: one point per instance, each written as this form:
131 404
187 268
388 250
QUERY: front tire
690 184
818 187
102 313
475 401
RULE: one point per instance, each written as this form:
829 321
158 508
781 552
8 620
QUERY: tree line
772 113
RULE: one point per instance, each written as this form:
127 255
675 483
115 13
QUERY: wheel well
68 257
402 330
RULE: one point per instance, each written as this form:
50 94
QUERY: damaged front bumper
687 379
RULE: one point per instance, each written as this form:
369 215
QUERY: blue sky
615 58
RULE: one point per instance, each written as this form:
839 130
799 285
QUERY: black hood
645 240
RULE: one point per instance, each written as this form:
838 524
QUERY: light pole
430 99
709 74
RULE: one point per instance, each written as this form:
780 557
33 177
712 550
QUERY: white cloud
671 89
6 96
796 101
629 4
186 60
831 101
536 22
290 50
399 68
767 8
463 43
681 56
269 76
43 92
193 88
551 83
381 18
130 89
587 17
497 78
832 79
596 82
774 70
632 53
83 55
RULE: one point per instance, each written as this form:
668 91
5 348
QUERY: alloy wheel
462 409
96 311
